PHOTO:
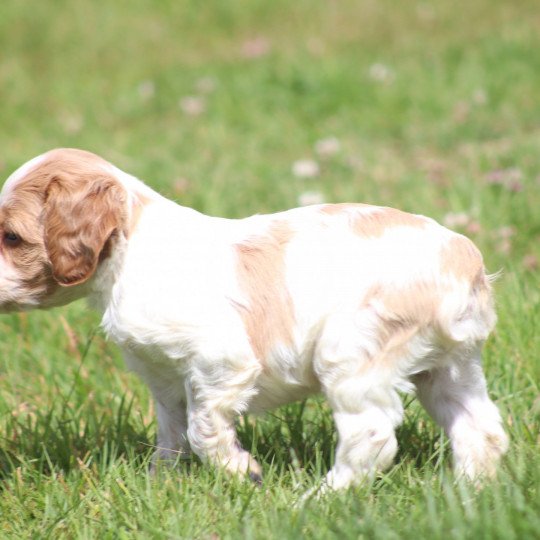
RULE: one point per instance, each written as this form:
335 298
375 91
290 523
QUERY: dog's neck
101 286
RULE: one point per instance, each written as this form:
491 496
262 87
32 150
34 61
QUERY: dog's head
59 216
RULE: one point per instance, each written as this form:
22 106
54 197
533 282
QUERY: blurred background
237 107
240 106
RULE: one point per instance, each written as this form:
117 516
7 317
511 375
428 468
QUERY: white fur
20 173
169 297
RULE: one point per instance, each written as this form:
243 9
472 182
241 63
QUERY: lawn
237 107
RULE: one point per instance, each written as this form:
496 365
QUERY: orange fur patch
376 221
414 308
29 258
65 209
138 204
402 313
269 315
413 305
461 258
341 208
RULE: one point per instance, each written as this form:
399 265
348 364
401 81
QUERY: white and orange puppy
220 316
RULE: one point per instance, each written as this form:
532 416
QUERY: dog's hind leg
361 392
456 397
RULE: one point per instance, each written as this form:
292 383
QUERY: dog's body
225 316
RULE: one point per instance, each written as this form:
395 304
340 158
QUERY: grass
435 109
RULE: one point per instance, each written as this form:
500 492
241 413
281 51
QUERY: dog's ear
81 216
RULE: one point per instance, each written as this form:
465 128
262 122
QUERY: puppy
221 316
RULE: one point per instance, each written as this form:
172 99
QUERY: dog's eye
12 239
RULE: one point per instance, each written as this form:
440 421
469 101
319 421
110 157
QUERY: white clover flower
510 179
193 105
507 231
310 197
456 219
305 168
255 48
381 73
480 97
71 123
328 146
206 85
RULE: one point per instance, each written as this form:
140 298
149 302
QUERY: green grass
435 107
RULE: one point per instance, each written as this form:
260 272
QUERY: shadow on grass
64 437
300 436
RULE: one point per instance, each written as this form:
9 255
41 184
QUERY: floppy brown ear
80 219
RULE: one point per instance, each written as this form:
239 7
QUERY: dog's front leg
167 388
215 396
172 440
